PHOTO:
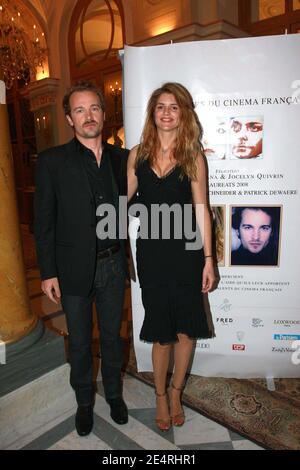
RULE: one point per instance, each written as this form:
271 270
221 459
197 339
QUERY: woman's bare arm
199 192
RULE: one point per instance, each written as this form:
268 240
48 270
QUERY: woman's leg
160 360
182 355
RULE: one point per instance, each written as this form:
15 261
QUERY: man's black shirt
102 186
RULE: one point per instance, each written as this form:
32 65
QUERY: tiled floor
198 433
139 433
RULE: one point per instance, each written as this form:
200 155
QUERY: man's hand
50 287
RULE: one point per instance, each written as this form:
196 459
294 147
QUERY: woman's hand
208 276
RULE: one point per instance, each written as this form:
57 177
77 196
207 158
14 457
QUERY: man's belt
108 251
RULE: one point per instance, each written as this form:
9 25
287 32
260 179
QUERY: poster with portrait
255 235
235 137
247 96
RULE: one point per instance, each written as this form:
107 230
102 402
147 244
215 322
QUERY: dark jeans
108 292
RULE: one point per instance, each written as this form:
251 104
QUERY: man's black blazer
65 219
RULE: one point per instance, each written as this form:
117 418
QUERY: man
72 180
257 229
246 137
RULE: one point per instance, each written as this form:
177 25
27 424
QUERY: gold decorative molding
42 101
196 32
42 93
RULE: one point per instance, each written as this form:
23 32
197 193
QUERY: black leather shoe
118 410
84 419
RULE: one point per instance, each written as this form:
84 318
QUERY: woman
168 168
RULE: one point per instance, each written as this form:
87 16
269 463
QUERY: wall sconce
43 128
42 123
115 91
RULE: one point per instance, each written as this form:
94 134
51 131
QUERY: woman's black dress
170 276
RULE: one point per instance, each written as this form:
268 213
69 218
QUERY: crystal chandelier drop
20 54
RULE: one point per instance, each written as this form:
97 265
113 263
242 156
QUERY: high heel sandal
163 424
178 419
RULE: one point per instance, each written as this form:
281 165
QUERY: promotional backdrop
247 96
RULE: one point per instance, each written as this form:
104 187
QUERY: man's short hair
82 86
238 213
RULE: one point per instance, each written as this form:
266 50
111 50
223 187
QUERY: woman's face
167 112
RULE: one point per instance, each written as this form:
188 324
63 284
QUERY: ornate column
19 327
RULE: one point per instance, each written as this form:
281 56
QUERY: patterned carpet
272 419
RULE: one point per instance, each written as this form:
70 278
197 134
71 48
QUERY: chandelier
20 54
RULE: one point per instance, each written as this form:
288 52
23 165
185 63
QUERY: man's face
255 230
246 136
86 116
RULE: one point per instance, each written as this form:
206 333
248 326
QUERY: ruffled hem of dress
209 335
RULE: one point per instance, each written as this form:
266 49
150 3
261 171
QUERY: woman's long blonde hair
189 134
219 227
